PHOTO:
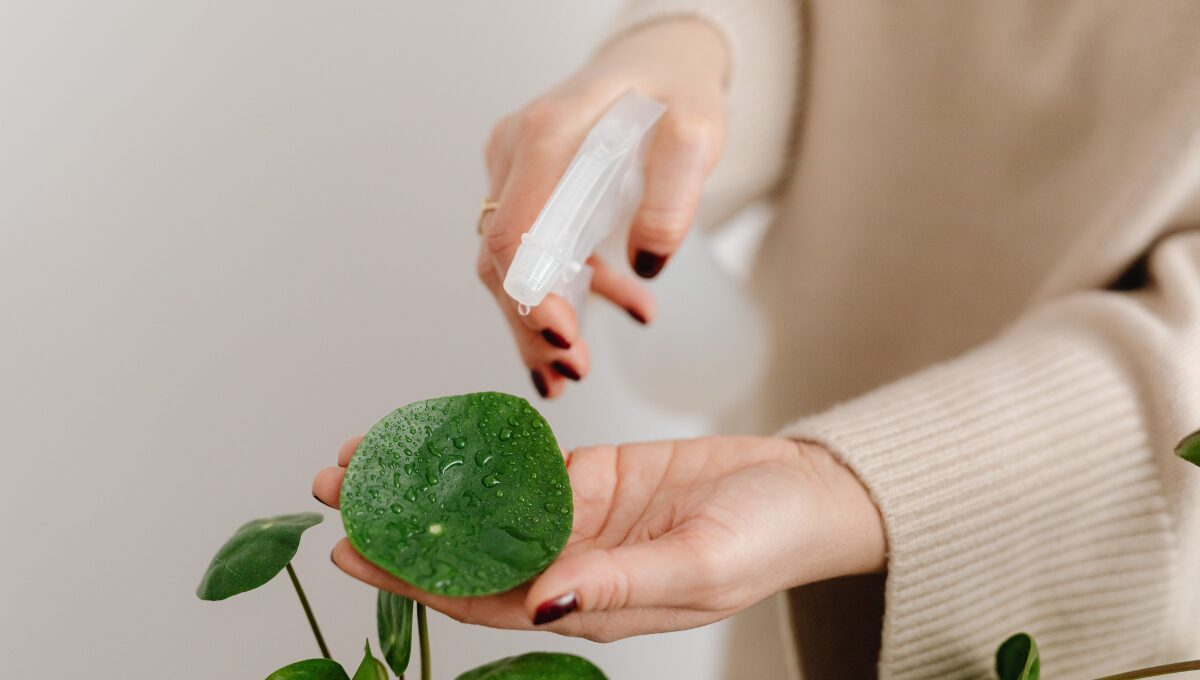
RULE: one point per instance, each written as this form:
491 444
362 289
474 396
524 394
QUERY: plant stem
1156 670
312 620
423 637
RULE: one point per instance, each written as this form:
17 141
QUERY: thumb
684 150
655 573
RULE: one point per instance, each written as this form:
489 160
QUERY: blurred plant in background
1018 659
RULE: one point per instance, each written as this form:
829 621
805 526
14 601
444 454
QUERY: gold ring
485 207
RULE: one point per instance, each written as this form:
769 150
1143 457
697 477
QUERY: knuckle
498 240
698 133
542 117
666 225
614 592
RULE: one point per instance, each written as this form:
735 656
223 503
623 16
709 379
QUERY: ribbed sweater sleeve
1030 485
764 84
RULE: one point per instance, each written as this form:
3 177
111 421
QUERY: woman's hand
682 62
672 535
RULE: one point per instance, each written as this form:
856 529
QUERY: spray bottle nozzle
598 194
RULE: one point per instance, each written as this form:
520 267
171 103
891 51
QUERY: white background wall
234 234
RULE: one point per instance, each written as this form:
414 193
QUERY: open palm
667 536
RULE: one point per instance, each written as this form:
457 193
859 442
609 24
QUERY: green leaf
536 666
257 552
394 617
1017 658
459 496
1189 448
370 668
312 669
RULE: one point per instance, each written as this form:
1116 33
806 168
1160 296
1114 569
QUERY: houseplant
462 496
1018 658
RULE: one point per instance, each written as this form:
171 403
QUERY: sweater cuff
1018 492
764 77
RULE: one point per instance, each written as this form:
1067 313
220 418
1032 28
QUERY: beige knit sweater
967 194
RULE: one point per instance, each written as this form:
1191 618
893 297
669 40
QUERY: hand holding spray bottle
596 198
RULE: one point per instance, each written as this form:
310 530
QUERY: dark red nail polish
556 339
647 264
553 610
539 383
565 370
637 316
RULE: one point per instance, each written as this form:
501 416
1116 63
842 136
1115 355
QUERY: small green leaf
536 666
1189 448
459 496
370 668
1017 658
312 669
394 617
257 552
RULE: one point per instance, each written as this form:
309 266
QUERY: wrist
851 531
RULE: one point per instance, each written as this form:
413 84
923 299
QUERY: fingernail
539 383
553 610
556 339
332 560
565 370
647 264
637 316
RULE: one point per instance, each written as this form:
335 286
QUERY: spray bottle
596 198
